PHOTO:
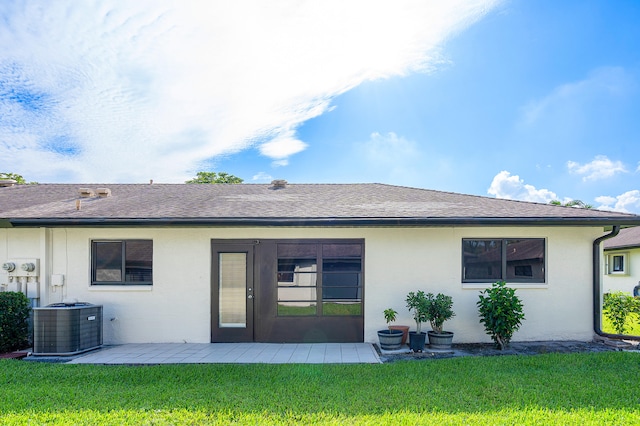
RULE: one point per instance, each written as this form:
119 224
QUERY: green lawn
585 389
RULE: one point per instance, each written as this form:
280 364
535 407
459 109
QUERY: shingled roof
293 204
627 238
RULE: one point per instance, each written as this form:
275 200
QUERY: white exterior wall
623 282
177 308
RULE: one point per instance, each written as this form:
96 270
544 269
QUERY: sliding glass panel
297 272
482 260
108 261
233 290
138 260
525 260
307 294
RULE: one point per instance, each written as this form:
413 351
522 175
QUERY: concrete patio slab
233 353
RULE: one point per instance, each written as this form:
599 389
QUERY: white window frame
611 263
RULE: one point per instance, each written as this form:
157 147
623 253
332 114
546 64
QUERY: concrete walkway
233 353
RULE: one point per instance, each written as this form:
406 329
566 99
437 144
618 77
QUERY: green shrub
617 307
439 309
419 305
14 328
500 312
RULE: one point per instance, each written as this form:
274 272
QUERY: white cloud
282 146
600 167
627 202
509 187
127 91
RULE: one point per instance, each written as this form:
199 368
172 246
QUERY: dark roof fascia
289 222
624 247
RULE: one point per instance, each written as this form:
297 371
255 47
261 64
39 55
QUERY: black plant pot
416 341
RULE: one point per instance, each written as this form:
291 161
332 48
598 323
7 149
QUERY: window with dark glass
617 264
319 279
127 262
513 260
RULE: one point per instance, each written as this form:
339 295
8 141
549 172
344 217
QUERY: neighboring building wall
177 308
630 278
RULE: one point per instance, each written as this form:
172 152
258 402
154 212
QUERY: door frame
263 322
232 334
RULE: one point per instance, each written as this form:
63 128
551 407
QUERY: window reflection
313 275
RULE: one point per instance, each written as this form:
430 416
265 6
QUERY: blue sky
513 99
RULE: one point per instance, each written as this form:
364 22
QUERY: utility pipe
597 289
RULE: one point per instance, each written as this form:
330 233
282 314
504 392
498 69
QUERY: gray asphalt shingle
629 237
264 202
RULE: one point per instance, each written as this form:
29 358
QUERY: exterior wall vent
86 192
103 192
279 184
5 183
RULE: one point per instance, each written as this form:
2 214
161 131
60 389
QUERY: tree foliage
213 177
14 176
419 305
573 203
500 312
439 310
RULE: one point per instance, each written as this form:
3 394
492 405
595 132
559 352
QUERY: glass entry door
232 293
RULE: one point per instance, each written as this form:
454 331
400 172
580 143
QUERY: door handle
250 296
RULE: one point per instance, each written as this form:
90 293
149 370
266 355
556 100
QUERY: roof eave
622 247
323 221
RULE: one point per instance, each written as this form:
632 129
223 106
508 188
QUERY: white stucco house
297 262
622 261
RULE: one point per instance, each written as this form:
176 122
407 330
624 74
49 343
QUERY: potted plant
390 339
500 312
405 332
390 316
438 311
417 304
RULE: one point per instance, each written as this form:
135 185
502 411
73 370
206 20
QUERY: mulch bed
522 348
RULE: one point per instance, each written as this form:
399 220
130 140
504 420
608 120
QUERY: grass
599 388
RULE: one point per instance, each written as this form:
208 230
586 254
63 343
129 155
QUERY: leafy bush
418 303
500 312
439 309
390 316
14 329
617 307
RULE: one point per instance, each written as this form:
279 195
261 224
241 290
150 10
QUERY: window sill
482 286
120 288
